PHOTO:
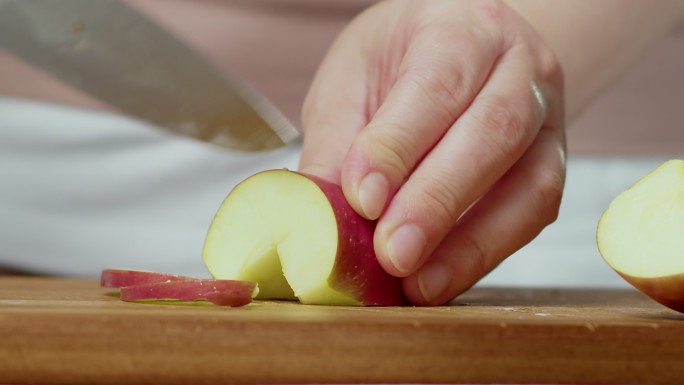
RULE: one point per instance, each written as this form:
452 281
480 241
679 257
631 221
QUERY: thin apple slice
641 234
220 292
121 278
297 236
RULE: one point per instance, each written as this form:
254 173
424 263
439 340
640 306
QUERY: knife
117 55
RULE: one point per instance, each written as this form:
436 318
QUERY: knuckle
440 84
472 248
500 124
549 195
439 202
392 153
492 10
550 67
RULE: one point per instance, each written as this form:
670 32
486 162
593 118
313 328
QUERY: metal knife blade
117 55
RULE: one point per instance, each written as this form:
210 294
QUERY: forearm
596 41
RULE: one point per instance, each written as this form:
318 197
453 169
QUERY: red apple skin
357 271
667 290
121 278
220 292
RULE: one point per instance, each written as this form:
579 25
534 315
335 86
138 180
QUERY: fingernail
372 194
405 246
433 280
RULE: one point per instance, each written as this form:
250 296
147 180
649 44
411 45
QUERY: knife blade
119 56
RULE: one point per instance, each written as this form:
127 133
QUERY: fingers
439 75
510 215
432 126
486 141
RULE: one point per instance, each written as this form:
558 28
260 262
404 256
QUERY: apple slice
121 278
641 234
220 292
137 285
297 236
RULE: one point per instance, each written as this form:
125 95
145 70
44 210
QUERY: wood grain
55 331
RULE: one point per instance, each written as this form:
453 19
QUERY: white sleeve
81 191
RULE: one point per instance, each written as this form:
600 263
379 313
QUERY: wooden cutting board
55 331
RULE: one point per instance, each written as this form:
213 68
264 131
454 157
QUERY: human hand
444 120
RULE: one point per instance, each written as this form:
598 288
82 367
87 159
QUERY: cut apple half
297 236
641 234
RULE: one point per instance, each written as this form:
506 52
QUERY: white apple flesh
297 236
641 234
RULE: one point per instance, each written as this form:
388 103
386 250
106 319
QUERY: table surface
61 331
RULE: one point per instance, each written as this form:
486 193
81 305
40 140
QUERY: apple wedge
641 234
297 236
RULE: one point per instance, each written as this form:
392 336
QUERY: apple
296 235
641 234
137 285
220 292
121 278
